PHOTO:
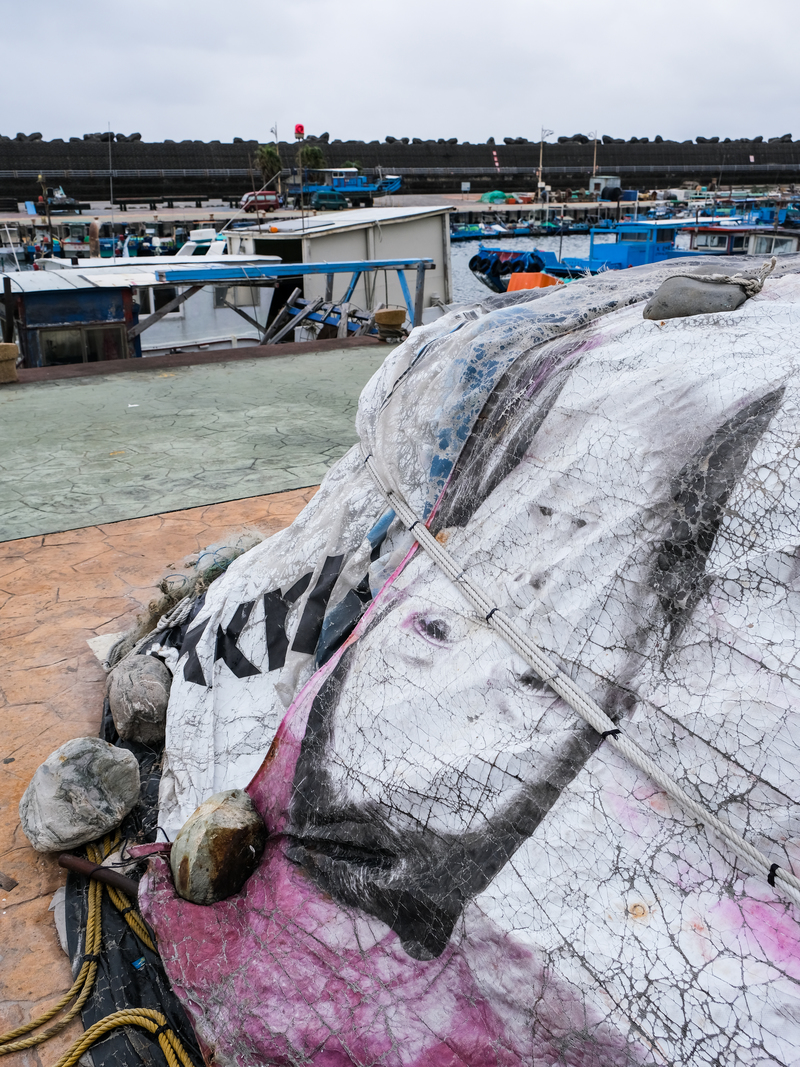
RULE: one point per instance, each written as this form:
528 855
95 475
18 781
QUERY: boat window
740 243
782 245
636 235
241 296
162 296
604 239
665 236
711 240
91 344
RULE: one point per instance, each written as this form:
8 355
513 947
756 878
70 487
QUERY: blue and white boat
630 244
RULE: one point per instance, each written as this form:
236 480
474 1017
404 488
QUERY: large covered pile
458 870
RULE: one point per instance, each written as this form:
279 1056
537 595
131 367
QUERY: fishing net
460 870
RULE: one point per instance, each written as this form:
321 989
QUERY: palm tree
310 157
268 161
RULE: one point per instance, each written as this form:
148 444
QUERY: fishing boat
476 231
631 244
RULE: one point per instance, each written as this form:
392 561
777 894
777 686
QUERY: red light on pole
299 131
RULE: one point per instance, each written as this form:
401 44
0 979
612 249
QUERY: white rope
750 283
572 694
178 615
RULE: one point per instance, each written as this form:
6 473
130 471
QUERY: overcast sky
416 68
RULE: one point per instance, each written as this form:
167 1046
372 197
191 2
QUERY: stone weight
80 792
218 848
677 298
138 694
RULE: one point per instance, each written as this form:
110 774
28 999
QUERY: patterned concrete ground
56 592
101 449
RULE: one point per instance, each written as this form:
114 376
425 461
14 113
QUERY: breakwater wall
212 169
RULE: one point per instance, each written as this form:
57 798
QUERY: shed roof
337 221
102 274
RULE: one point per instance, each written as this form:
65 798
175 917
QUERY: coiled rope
549 671
81 988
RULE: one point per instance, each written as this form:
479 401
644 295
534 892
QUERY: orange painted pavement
56 591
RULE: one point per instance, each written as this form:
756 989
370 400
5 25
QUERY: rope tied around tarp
750 284
580 702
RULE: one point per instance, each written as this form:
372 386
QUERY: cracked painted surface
101 449
459 872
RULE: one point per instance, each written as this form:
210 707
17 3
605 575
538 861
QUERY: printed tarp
459 870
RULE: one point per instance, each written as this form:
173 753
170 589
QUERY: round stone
218 848
138 694
80 792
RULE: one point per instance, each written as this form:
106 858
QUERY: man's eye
432 629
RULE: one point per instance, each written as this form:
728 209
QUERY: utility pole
594 163
111 195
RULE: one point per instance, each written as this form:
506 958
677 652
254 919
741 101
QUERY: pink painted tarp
458 870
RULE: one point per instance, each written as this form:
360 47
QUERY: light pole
545 133
593 135
299 136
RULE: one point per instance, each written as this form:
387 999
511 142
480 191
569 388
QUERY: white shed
363 233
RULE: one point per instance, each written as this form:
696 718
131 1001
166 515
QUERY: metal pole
111 194
541 151
8 302
419 294
10 241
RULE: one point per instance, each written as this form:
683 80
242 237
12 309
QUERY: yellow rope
132 918
81 988
151 1020
119 900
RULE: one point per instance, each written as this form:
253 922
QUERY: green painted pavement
82 451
